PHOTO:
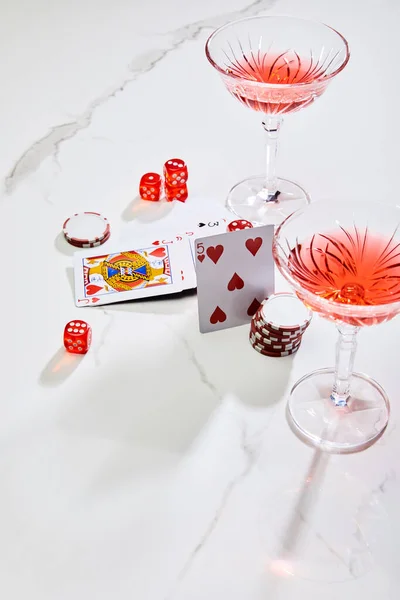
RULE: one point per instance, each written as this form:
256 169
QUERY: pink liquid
349 267
280 70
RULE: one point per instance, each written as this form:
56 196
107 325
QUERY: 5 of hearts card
142 272
235 273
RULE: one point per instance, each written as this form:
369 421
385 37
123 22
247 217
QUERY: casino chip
239 224
285 314
86 230
277 327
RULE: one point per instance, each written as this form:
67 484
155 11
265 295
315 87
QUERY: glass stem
272 125
345 352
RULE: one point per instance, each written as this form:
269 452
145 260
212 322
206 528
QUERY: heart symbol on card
158 253
253 246
92 289
218 316
156 243
236 283
253 308
94 300
201 257
215 253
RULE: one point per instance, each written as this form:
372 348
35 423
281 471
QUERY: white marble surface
161 467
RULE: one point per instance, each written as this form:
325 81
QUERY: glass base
247 200
352 428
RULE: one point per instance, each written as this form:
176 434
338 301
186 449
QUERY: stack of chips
176 176
277 327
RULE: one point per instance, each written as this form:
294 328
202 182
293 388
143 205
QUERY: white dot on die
153 197
234 223
70 348
77 324
69 328
151 177
81 331
79 342
72 323
170 162
74 345
175 164
83 324
182 174
79 349
144 188
75 331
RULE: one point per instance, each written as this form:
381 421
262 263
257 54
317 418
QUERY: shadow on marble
146 212
62 245
59 368
150 400
159 395
70 276
158 305
233 366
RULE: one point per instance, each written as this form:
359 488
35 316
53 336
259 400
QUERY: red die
77 337
175 172
150 187
239 224
176 192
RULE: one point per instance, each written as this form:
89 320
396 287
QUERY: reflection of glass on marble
324 526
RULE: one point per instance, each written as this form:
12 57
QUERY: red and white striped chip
239 224
86 229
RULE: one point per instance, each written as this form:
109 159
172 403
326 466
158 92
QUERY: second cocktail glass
343 261
274 65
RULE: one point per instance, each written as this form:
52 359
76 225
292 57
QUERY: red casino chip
239 224
272 353
92 245
275 335
272 346
86 228
285 314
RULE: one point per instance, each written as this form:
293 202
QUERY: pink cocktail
274 65
343 261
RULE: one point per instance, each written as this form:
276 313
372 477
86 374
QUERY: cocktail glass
274 65
343 261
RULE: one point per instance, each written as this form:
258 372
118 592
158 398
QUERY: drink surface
349 267
282 70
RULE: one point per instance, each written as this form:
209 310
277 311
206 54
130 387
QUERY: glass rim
328 306
276 85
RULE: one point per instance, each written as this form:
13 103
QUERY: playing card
203 227
145 271
235 272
